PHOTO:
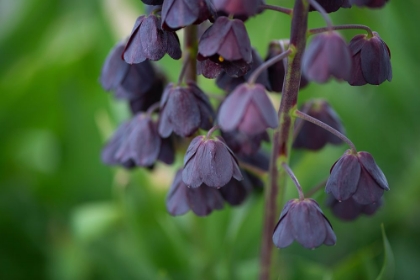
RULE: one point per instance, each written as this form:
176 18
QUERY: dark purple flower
313 137
149 41
239 8
331 5
349 209
369 3
371 60
245 144
137 141
277 71
247 109
202 201
179 13
303 221
259 160
209 162
184 109
127 81
229 83
227 45
327 55
152 2
356 176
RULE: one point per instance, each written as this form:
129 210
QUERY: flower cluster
168 116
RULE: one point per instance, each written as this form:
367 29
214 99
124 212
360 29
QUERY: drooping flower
224 46
349 209
369 3
313 137
371 60
244 144
149 41
239 8
202 200
356 176
209 162
304 222
179 13
184 109
247 109
327 56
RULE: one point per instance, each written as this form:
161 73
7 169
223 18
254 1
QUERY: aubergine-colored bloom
184 109
259 160
125 80
369 3
247 109
356 176
371 60
313 137
209 162
277 71
327 56
153 2
239 8
137 141
331 5
202 201
235 192
244 144
149 41
152 96
348 210
226 44
229 83
303 221
179 13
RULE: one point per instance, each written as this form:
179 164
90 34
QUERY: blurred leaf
388 268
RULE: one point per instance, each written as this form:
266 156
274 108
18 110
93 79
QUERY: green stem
342 27
283 135
191 46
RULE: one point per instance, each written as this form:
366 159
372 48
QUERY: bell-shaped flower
247 109
244 144
331 5
356 176
226 44
149 41
327 56
238 8
371 60
209 162
313 137
179 13
349 209
184 109
369 3
303 221
202 200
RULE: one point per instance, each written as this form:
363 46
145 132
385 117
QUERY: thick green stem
191 45
283 135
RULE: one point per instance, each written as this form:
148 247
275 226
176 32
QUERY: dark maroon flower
235 192
369 3
349 209
184 109
226 44
137 141
127 81
356 176
303 221
202 201
313 137
247 109
326 56
277 71
229 83
239 8
179 13
209 162
149 41
152 2
371 60
244 144
152 96
331 5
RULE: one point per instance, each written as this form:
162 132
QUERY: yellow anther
221 59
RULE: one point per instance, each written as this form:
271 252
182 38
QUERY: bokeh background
64 215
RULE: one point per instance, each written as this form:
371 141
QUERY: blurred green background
64 215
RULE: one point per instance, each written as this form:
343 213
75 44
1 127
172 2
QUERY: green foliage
63 215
